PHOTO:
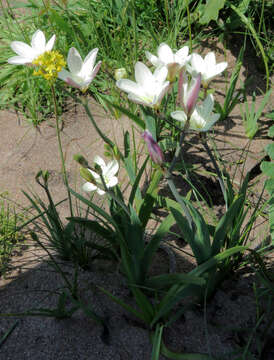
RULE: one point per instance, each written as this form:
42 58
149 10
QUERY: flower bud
81 160
193 94
154 149
120 73
86 174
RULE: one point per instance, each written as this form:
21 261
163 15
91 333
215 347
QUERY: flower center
49 64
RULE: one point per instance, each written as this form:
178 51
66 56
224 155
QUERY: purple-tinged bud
188 93
154 149
193 94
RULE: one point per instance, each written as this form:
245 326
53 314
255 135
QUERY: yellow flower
49 64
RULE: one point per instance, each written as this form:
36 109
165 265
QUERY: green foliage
210 11
9 235
251 117
267 168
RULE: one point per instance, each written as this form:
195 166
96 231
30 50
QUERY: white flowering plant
172 100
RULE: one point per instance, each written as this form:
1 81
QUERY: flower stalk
64 172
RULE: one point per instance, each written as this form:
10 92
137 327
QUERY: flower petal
74 61
153 59
111 169
160 74
143 75
89 62
50 43
22 49
165 53
112 182
19 60
129 86
179 115
210 60
183 53
89 187
99 161
100 191
38 41
197 64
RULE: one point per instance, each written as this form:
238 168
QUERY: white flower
149 88
207 66
81 72
202 118
28 53
166 57
108 172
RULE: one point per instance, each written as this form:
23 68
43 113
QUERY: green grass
9 236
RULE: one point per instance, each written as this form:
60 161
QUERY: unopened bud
154 149
86 174
98 169
120 73
81 160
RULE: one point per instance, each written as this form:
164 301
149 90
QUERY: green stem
64 172
103 137
189 27
169 174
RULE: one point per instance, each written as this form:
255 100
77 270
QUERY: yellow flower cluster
49 64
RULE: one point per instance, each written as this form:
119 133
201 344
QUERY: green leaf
123 304
154 242
156 342
270 150
267 168
135 187
133 117
224 224
126 144
146 206
271 129
211 11
167 280
183 356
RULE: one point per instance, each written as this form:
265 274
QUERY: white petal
111 168
218 69
210 59
143 75
197 63
100 192
19 60
89 62
99 161
183 53
153 59
64 75
211 122
179 115
112 182
38 41
95 175
141 100
89 187
160 74
162 91
74 61
22 49
129 86
95 71
50 43
208 105
165 53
